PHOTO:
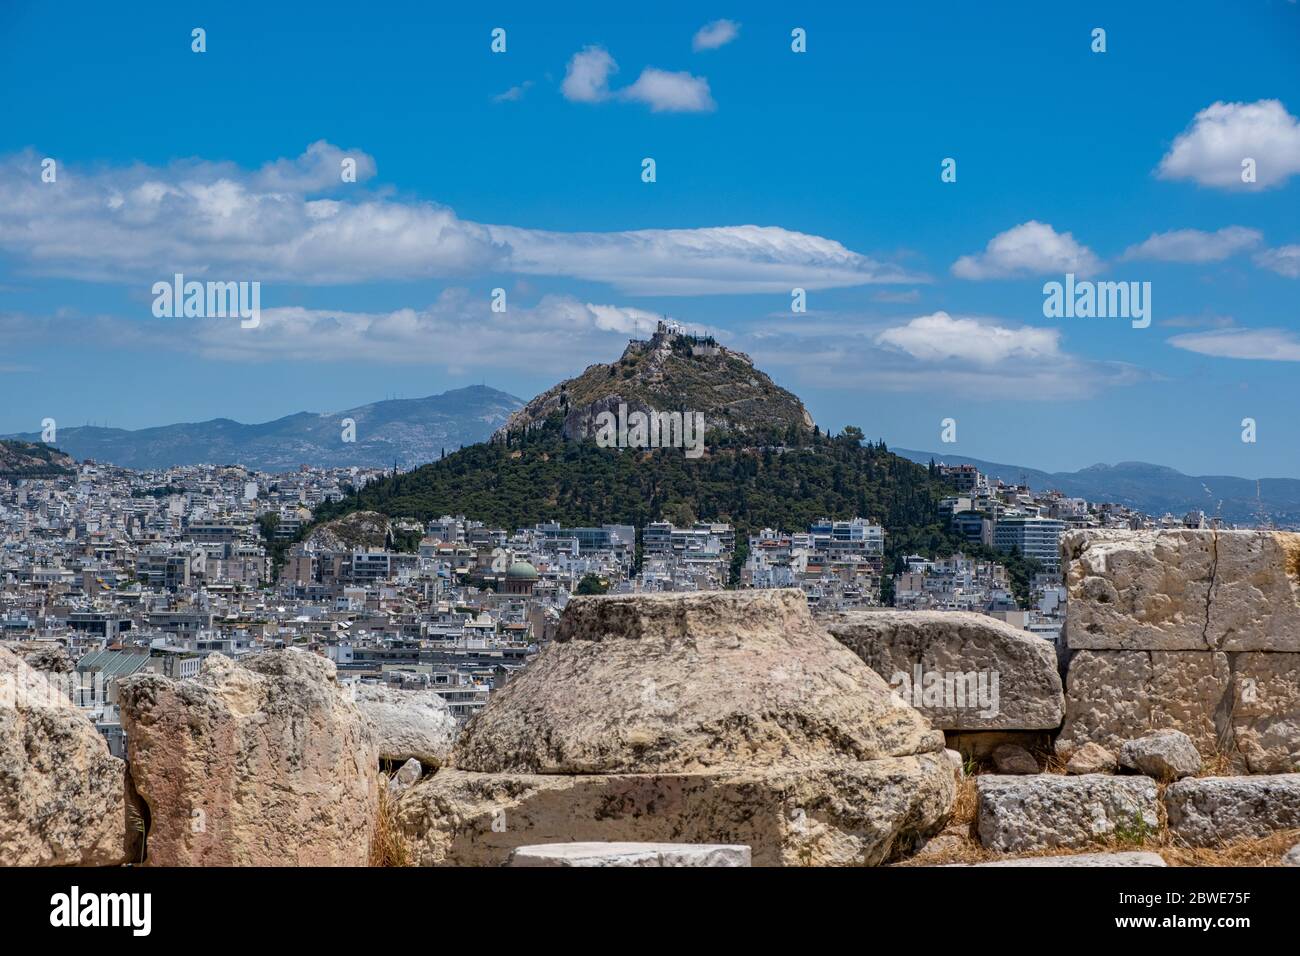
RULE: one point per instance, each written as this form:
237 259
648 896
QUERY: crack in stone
1209 592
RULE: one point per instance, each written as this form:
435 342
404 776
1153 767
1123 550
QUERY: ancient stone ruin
1197 631
732 722
263 763
725 717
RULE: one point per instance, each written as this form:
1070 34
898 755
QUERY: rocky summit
618 732
672 371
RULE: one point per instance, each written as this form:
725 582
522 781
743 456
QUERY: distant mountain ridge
409 431
1154 489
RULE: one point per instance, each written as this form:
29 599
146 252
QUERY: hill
765 464
408 431
21 459
672 371
1153 489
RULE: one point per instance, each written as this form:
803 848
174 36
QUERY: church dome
521 571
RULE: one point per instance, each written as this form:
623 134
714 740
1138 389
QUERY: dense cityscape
155 570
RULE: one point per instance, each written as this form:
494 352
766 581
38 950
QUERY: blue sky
522 170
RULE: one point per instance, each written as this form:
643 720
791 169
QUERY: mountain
408 431
21 459
671 372
1154 489
763 465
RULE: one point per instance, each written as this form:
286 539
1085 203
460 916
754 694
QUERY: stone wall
1197 631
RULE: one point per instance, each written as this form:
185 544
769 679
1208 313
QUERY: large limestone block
61 792
1183 590
675 683
1210 811
1265 712
817 814
406 724
263 763
1016 814
964 671
1116 696
1245 706
630 854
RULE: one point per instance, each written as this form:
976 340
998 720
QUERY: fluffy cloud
1210 151
1031 248
715 34
940 337
1277 345
1284 260
1193 245
213 220
559 332
586 80
980 359
670 92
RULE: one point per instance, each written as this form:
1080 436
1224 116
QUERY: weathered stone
630 854
407 776
406 724
1175 590
1162 754
631 685
1091 758
1115 696
1132 858
618 732
1012 759
980 744
61 792
817 814
957 761
1264 712
1292 856
996 677
1246 706
262 763
1210 811
1017 814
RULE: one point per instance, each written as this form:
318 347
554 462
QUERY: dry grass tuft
387 847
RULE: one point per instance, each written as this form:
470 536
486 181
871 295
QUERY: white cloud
213 220
1193 245
723 259
1211 150
558 332
1277 345
975 359
1284 260
715 34
1031 248
587 78
670 92
318 169
940 337
514 94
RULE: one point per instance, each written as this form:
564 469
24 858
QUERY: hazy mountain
1153 489
408 431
